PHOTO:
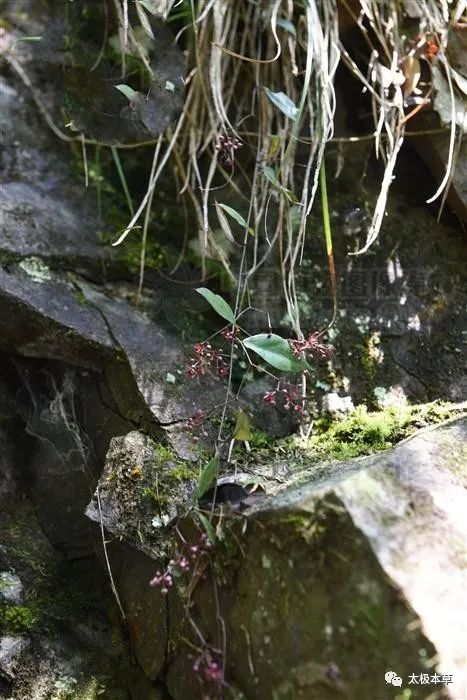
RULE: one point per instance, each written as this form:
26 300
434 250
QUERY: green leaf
127 91
225 226
30 39
143 18
274 147
207 478
276 352
210 532
283 102
287 25
218 303
242 427
235 215
270 174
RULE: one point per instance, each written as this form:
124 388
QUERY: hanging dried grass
263 74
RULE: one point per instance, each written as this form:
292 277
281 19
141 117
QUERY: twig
107 561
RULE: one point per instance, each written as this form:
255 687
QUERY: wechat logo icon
392 678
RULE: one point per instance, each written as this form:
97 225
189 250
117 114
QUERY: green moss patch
365 432
15 619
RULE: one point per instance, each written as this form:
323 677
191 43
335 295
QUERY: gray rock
146 608
49 227
336 405
333 582
142 489
42 316
44 223
70 641
11 588
141 341
48 314
88 88
11 649
8 448
45 210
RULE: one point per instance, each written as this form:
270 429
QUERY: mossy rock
144 487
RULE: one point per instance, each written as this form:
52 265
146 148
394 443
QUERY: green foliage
283 102
118 165
207 477
259 440
235 215
360 433
242 429
276 352
18 618
364 432
207 527
127 91
218 304
271 175
29 39
129 253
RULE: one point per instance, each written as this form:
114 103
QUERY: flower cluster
182 563
208 669
164 580
229 333
226 147
312 346
207 359
196 419
287 395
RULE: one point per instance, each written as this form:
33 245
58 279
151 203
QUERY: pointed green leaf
242 427
218 304
283 102
127 91
235 215
30 39
143 18
207 478
208 528
276 352
225 226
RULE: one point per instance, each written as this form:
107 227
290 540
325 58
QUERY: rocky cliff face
314 592
311 579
